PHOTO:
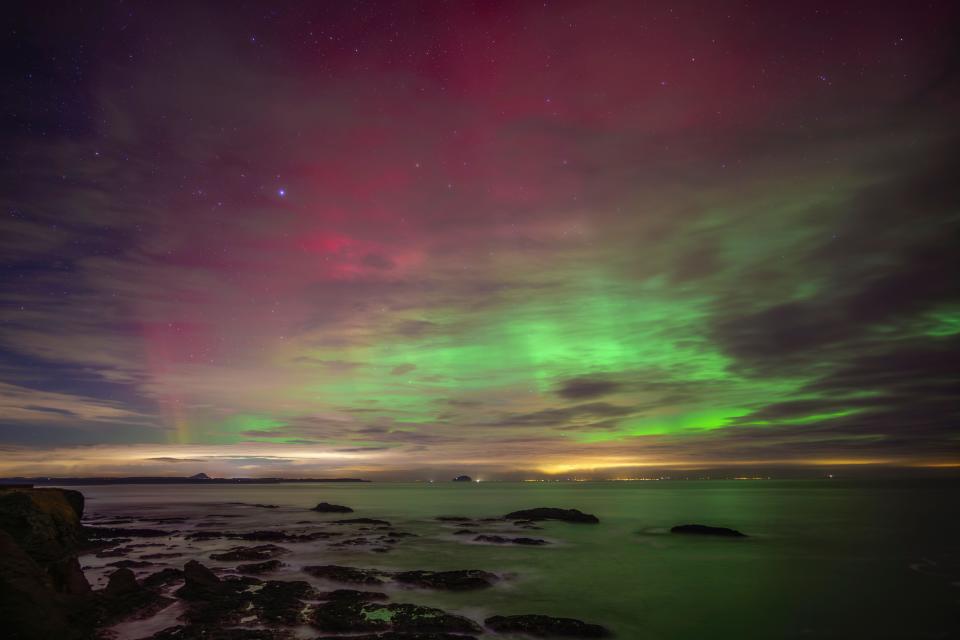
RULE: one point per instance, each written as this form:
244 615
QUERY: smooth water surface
824 559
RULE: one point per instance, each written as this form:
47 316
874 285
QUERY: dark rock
351 575
458 580
264 536
67 577
453 519
545 626
45 523
29 607
402 635
116 552
199 583
201 536
463 479
124 597
352 594
326 507
130 564
123 532
160 556
281 602
262 552
267 506
213 632
352 616
260 567
552 513
162 578
533 542
362 521
704 530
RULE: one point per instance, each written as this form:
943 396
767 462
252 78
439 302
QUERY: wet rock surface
542 626
352 616
262 552
705 530
237 601
350 575
257 568
352 594
402 635
195 632
460 580
493 539
124 596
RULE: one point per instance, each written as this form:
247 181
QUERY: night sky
407 239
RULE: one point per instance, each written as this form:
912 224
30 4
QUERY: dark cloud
585 388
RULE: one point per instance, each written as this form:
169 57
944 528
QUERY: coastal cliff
43 591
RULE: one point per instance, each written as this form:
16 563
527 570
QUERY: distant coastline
51 481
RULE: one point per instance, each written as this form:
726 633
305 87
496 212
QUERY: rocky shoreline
44 592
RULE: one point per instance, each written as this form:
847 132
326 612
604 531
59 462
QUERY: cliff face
44 522
40 577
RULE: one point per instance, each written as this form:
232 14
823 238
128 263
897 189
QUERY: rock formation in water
553 513
704 530
463 479
326 507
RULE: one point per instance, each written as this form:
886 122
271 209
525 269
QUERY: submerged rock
352 616
362 521
704 530
201 632
352 575
352 594
130 564
459 580
259 567
125 532
326 507
546 626
163 578
532 542
553 513
403 635
262 552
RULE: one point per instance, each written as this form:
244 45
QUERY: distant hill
199 476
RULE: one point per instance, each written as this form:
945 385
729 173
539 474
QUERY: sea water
823 559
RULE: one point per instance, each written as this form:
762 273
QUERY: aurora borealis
509 239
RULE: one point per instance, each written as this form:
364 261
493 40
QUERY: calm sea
825 559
